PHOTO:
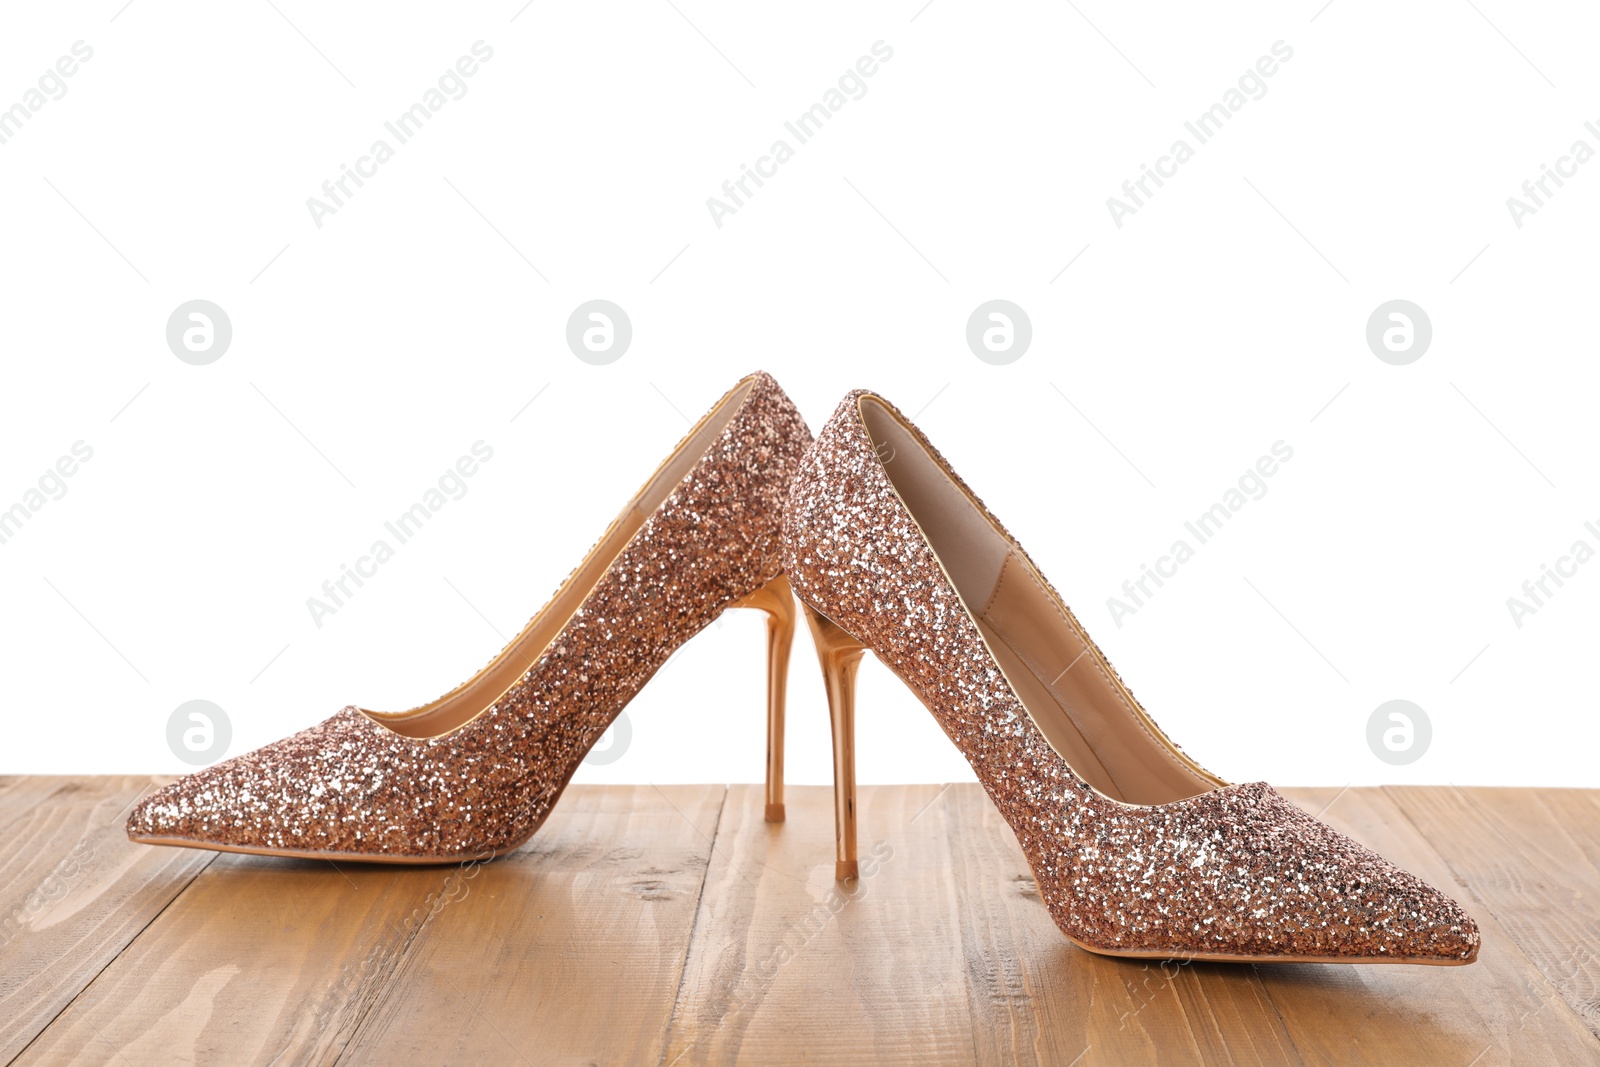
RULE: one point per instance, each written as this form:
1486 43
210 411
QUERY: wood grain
21 793
673 926
74 892
786 964
261 960
567 951
1530 856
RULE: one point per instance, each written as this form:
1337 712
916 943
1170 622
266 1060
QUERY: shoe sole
1221 957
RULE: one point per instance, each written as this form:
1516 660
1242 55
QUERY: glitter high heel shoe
1137 850
474 773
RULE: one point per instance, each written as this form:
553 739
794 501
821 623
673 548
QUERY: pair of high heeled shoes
1137 850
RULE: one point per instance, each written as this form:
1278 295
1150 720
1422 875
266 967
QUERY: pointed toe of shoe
188 811
1433 928
248 803
1368 908
1272 883
346 787
155 817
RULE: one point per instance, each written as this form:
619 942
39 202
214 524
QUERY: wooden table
672 926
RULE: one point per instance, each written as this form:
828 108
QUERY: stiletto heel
777 601
840 657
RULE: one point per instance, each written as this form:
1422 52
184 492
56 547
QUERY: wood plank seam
432 906
89 984
594 913
948 958
1259 984
694 932
350 986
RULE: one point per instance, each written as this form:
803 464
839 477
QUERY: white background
1227 314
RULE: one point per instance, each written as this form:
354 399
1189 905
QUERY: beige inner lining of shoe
479 693
1065 683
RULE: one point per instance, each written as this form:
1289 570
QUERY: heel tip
775 813
846 870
